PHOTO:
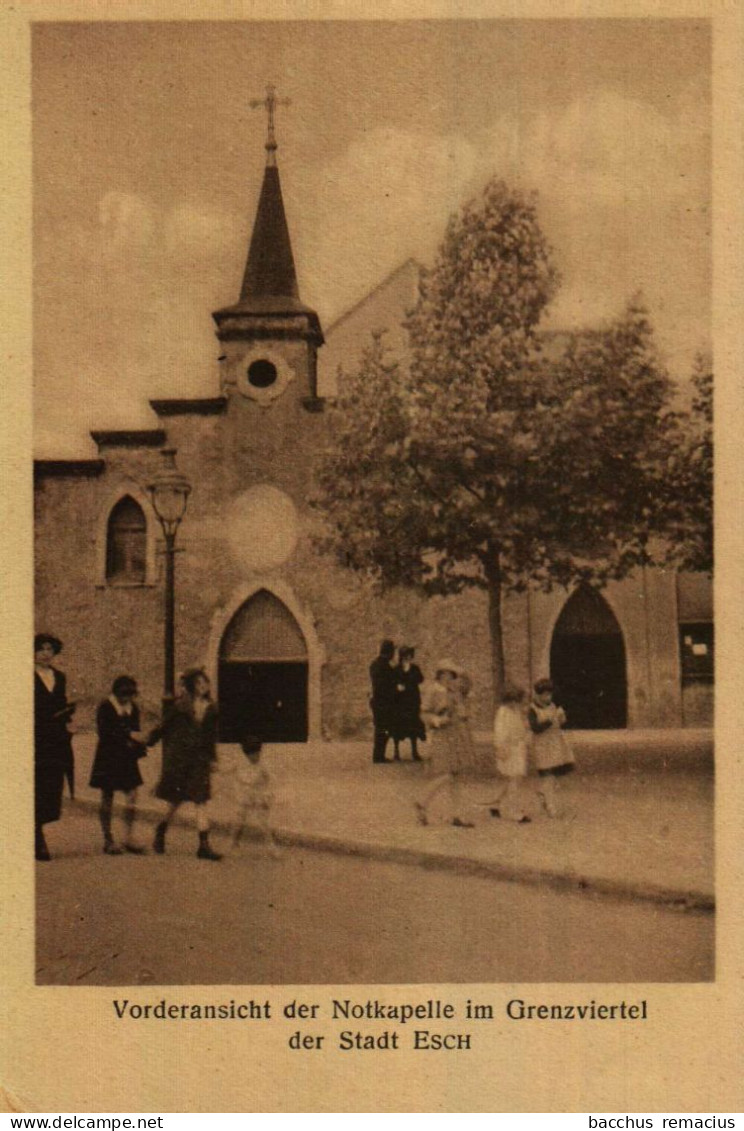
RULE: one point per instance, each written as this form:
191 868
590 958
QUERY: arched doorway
263 673
587 663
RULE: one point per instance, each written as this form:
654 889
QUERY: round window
261 374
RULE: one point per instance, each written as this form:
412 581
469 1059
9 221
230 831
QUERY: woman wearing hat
446 721
115 767
53 755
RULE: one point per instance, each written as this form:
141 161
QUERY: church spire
270 270
269 295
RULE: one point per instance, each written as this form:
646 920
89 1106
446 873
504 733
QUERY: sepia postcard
368 376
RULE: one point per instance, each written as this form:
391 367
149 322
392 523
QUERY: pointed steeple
270 270
270 280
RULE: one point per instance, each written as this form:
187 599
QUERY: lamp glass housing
169 491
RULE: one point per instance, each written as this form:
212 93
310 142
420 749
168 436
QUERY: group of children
122 743
541 729
517 732
185 777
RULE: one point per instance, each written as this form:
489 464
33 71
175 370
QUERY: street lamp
169 492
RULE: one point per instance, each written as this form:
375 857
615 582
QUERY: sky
148 162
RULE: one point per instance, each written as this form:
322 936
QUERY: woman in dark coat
53 755
116 764
189 735
382 677
406 722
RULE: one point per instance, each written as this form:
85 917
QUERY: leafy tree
688 482
489 461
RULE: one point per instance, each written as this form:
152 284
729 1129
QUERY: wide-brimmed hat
448 666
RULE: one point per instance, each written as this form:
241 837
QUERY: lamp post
169 492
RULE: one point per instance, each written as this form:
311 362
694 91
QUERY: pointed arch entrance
587 663
263 673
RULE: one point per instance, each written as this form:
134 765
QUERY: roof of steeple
270 270
270 279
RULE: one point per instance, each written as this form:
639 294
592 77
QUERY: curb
571 882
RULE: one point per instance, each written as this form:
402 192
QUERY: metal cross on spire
270 102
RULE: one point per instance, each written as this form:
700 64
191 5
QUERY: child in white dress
254 796
510 740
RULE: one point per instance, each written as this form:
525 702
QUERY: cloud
607 149
386 198
624 197
132 229
190 231
143 281
126 223
620 184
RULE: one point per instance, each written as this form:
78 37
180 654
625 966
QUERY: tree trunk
492 570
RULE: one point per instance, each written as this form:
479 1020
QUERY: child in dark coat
189 732
115 767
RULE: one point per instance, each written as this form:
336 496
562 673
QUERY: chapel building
285 634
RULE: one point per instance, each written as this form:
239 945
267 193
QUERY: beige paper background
64 1050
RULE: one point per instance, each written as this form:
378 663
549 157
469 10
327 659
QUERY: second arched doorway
263 673
587 663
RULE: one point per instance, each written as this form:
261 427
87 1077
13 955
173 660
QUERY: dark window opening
126 543
696 651
261 374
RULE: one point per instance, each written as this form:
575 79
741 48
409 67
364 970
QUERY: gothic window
126 544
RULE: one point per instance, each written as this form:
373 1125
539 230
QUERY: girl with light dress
254 796
510 740
445 711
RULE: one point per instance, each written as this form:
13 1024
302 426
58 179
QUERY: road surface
315 917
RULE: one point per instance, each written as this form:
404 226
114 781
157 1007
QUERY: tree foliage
496 458
688 482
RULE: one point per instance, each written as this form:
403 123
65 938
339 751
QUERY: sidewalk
638 823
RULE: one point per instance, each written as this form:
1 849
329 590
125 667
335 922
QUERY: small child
553 755
254 796
510 739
